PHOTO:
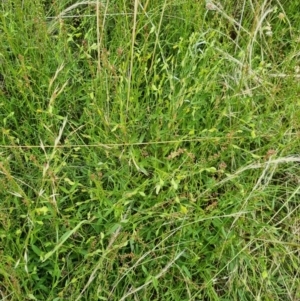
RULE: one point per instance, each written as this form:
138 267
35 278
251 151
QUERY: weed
149 150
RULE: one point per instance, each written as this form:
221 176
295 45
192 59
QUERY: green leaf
174 184
211 169
265 274
67 180
36 250
186 271
62 241
155 282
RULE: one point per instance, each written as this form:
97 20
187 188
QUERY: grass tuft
149 150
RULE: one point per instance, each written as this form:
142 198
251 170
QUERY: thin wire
110 145
87 15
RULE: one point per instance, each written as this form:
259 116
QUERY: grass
149 150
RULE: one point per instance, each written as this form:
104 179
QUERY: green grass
149 150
